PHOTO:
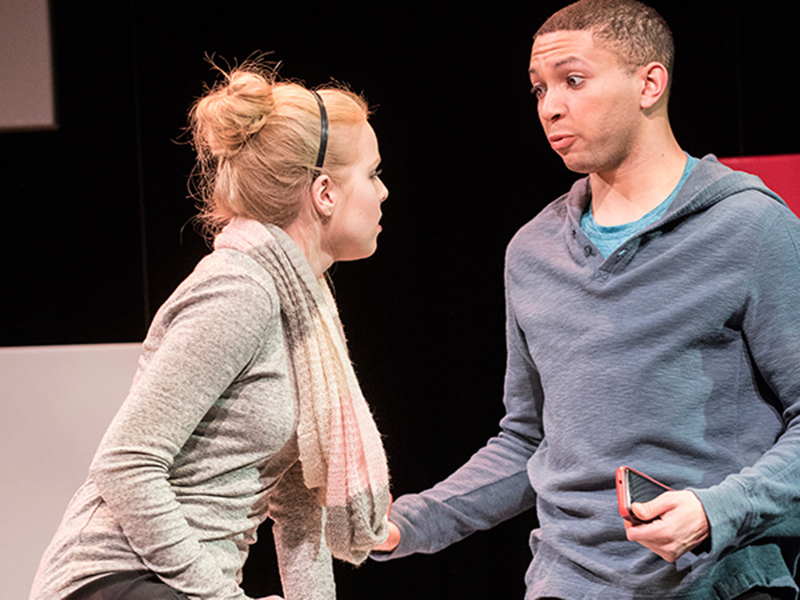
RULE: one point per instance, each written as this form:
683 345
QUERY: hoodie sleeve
493 485
762 500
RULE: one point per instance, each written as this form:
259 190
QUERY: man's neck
637 186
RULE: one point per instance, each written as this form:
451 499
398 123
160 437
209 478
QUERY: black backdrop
97 215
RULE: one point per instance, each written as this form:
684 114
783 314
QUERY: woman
244 396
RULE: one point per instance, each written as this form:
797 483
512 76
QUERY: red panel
781 173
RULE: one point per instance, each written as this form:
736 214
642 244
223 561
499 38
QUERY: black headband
323 136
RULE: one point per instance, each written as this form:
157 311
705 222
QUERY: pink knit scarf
340 448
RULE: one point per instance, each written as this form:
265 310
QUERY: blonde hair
257 141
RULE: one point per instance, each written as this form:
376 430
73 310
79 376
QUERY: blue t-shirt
609 238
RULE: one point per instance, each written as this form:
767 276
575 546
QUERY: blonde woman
244 395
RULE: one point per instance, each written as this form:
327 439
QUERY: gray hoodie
677 355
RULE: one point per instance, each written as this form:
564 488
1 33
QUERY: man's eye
574 80
377 173
537 91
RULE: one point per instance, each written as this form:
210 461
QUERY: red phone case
624 492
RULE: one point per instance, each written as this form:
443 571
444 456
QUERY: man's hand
392 541
394 533
677 524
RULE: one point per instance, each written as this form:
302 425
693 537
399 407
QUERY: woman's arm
210 333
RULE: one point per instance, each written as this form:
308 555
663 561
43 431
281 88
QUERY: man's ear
655 81
323 196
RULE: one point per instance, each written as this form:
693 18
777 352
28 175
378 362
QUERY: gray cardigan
202 448
678 355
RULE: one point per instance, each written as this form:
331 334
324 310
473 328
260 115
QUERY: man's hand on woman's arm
391 542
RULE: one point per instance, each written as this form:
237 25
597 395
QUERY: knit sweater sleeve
763 500
493 485
210 332
303 557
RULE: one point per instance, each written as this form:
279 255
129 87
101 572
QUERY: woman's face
354 225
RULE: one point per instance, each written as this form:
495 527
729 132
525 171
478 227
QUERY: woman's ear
323 195
655 80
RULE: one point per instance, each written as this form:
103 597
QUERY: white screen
26 66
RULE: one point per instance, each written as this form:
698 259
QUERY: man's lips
560 141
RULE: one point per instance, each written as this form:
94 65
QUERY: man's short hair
636 32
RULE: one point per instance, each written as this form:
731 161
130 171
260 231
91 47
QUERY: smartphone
635 486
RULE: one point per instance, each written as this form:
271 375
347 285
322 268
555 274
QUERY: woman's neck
306 232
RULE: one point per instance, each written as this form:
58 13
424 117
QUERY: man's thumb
645 511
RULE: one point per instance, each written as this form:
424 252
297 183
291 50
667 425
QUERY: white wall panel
56 402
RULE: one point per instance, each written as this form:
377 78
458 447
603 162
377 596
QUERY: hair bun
233 111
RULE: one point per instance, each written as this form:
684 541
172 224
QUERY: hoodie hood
709 182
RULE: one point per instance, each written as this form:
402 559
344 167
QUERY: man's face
589 105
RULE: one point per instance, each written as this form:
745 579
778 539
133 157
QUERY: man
653 320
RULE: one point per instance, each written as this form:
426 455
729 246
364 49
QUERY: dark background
98 229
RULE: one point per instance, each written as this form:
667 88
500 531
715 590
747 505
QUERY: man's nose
551 106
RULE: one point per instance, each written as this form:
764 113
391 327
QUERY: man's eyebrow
564 61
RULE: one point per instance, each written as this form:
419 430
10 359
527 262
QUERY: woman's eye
377 173
537 91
